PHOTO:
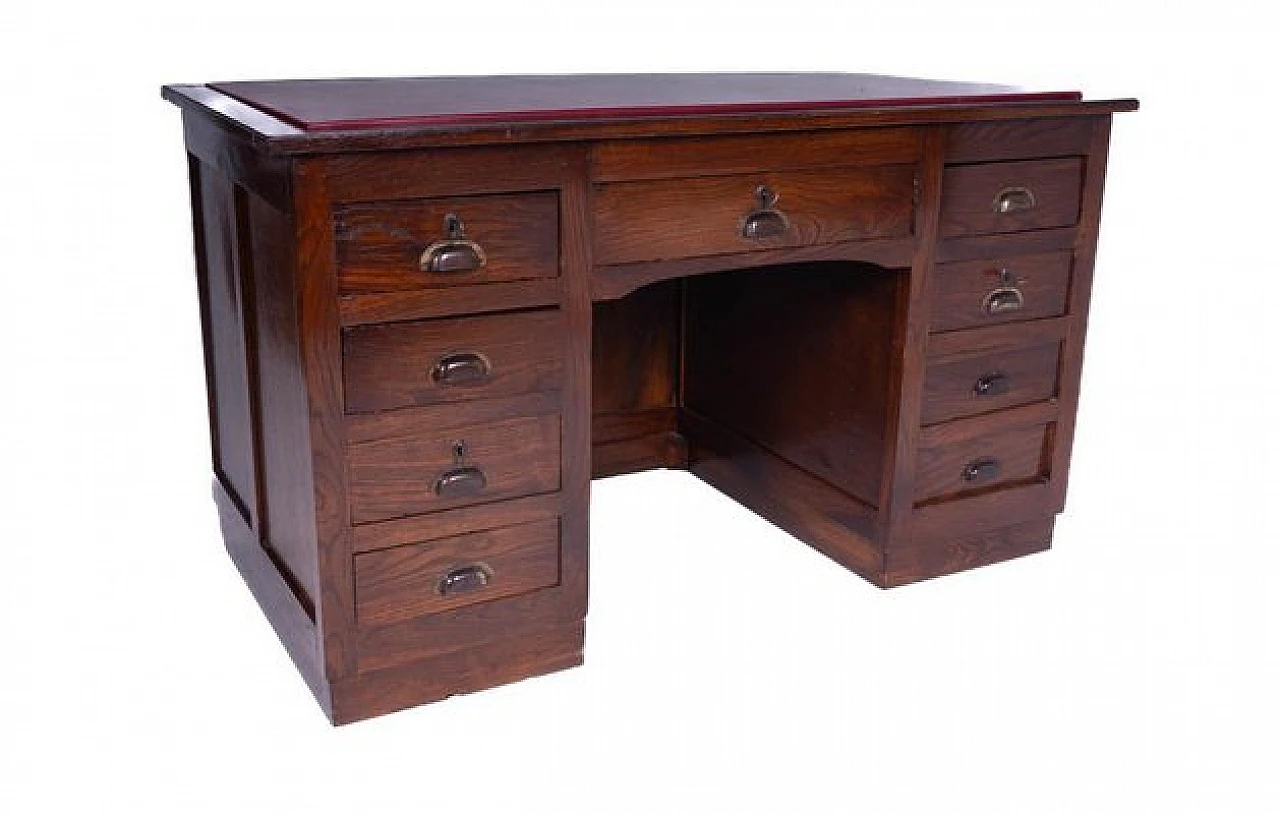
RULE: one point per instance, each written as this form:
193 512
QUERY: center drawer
689 217
424 467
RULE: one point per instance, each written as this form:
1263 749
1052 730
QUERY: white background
728 667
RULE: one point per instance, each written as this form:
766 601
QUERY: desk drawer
438 242
951 468
1010 196
968 385
452 360
1007 289
423 468
688 217
440 575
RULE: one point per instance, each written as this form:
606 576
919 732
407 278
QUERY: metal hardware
767 197
1003 301
464 579
462 480
1012 200
992 384
982 470
765 221
460 369
455 253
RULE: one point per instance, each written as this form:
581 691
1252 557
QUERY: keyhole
767 196
459 451
453 226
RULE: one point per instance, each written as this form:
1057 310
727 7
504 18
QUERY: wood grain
814 387
486 665
1030 138
969 193
1078 305
280 138
656 220
824 378
913 561
1020 454
953 387
403 306
403 582
636 160
829 520
320 352
910 345
396 476
960 290
390 366
380 245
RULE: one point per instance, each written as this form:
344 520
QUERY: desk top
309 116
358 104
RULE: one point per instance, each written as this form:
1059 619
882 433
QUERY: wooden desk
434 309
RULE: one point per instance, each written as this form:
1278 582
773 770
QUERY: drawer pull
464 579
1012 200
992 384
461 482
1003 301
982 470
455 253
460 368
765 221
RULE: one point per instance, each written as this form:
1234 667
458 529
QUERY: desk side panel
258 415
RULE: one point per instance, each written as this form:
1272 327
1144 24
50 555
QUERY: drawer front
992 381
1031 138
689 217
452 360
1010 196
425 468
394 246
947 468
989 292
440 575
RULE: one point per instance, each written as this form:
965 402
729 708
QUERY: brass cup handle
992 384
1011 200
1003 301
982 470
464 579
460 369
764 223
452 256
461 482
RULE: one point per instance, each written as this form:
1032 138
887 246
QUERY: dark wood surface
960 290
967 384
399 365
793 359
658 220
1018 454
380 244
971 190
396 475
275 136
353 104
828 378
406 581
